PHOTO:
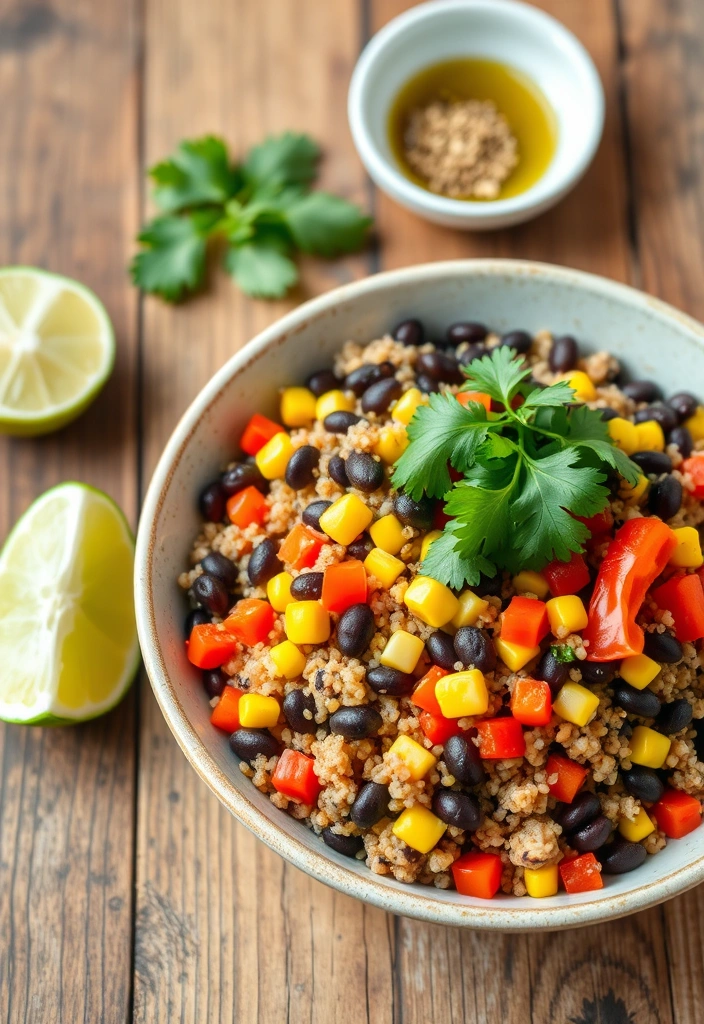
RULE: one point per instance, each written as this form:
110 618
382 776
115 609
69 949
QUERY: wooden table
126 891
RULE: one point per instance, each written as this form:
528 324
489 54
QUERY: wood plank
68 182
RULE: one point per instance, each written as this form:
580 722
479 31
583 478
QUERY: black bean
212 594
583 809
364 472
473 647
467 330
418 514
490 586
371 805
653 462
441 649
642 390
684 405
459 809
322 381
366 375
299 470
360 547
553 672
307 587
463 762
379 396
621 856
607 414
356 723
626 729
440 366
263 563
211 502
683 439
519 341
663 647
222 568
249 743
340 422
294 706
674 717
348 846
426 384
214 682
390 680
594 672
643 783
338 471
592 836
355 630
468 353
241 475
665 497
409 332
643 703
313 512
197 617
563 354
662 414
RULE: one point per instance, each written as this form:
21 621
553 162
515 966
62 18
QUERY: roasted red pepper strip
635 557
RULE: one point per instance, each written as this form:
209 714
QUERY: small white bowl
503 30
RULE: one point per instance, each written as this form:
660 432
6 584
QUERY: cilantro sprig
526 472
262 209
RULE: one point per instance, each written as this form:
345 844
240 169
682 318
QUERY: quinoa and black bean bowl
449 609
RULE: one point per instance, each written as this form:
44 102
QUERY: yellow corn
470 608
648 747
402 651
407 405
575 703
346 518
417 759
636 830
650 436
541 882
333 401
566 613
528 582
639 670
289 661
387 534
635 492
278 591
462 693
385 567
392 443
515 656
624 434
688 553
419 828
257 711
272 459
307 622
581 382
431 601
695 424
297 406
427 541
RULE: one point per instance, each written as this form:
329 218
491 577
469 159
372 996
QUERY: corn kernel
639 670
432 602
297 407
289 661
392 443
346 519
635 492
278 591
383 566
307 622
648 747
272 459
462 693
581 382
419 828
695 424
417 759
515 656
566 613
636 830
257 711
528 582
624 434
650 436
541 882
470 608
402 651
387 534
688 553
407 405
575 703
333 401
427 541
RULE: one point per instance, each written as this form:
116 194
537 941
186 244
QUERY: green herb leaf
588 431
261 269
198 173
326 225
288 159
173 262
498 374
555 395
563 653
445 563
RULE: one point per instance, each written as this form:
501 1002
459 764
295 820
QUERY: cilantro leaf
587 430
173 262
326 225
198 173
483 521
555 395
288 159
261 269
563 653
498 374
446 564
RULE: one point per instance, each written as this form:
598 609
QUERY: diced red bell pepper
226 713
581 874
210 646
635 557
683 596
465 397
344 584
437 728
251 621
295 777
677 813
301 547
525 622
258 431
246 507
477 874
424 694
567 577
440 517
531 702
600 523
570 777
500 738
694 467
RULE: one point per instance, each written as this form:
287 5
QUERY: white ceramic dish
502 30
652 339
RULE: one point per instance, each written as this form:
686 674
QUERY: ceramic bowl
503 30
652 339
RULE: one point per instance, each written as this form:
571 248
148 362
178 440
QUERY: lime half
68 641
57 349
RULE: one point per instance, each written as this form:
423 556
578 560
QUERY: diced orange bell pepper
683 597
581 874
226 713
677 813
570 777
531 702
258 431
437 728
424 694
251 621
210 646
301 547
477 874
566 577
465 397
295 777
694 468
246 507
500 738
344 584
525 622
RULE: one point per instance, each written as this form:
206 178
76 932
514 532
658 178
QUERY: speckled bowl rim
414 901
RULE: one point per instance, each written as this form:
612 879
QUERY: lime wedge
57 349
68 641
